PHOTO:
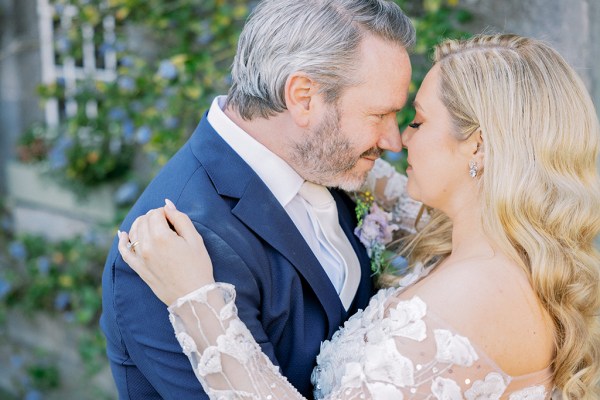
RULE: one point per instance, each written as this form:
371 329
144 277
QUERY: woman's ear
478 140
300 93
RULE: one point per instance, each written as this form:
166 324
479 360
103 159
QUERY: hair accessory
473 169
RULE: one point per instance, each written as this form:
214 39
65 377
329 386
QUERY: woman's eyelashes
415 125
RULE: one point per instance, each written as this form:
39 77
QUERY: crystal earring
473 169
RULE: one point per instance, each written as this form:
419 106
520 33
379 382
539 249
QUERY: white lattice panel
98 61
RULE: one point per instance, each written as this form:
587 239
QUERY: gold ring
131 246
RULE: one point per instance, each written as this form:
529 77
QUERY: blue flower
137 106
33 395
117 114
128 129
62 301
43 265
5 288
126 83
127 193
394 157
167 70
17 251
161 104
58 154
69 316
90 237
16 361
63 44
127 61
171 122
398 265
143 135
105 48
6 223
206 37
59 9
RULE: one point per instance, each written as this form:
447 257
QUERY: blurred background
95 96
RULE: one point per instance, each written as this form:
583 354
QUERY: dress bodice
401 349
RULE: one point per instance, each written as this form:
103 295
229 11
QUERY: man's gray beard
326 157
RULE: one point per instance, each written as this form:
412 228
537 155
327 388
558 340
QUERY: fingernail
169 204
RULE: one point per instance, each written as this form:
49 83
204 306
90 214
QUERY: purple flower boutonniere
374 229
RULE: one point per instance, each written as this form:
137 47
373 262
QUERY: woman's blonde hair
540 189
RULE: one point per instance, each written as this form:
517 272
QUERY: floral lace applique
446 389
490 389
454 349
530 393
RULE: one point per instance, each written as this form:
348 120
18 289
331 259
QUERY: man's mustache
374 152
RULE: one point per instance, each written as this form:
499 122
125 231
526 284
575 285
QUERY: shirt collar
280 178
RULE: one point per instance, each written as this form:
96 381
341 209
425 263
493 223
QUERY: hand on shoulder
173 262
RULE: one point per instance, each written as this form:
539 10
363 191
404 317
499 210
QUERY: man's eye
415 125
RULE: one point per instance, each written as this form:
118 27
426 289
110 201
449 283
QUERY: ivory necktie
332 237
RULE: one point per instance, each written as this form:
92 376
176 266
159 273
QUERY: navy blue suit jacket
283 294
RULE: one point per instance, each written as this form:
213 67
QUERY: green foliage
44 375
62 279
174 57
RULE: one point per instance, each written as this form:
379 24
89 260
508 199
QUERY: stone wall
20 75
572 27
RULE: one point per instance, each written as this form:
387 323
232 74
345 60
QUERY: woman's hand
172 262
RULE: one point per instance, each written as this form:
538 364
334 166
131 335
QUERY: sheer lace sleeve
389 188
224 356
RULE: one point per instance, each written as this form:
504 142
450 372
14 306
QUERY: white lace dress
396 348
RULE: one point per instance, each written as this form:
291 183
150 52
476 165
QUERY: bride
503 295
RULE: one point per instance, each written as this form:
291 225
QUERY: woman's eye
415 125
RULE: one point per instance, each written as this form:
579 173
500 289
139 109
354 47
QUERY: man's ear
300 94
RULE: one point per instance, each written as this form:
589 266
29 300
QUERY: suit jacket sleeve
149 338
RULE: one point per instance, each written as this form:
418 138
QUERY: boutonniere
375 230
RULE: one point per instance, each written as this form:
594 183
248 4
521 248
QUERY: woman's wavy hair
540 188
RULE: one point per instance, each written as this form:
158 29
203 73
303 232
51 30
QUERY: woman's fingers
126 250
180 221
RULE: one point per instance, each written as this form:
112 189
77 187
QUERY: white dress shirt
284 183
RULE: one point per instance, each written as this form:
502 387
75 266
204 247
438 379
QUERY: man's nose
391 139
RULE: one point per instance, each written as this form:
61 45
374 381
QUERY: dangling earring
473 169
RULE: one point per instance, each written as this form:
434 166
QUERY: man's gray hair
318 37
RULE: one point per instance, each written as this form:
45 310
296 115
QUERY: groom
316 87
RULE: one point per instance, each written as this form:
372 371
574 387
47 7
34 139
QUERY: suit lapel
262 213
258 209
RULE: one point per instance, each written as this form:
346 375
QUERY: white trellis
95 64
